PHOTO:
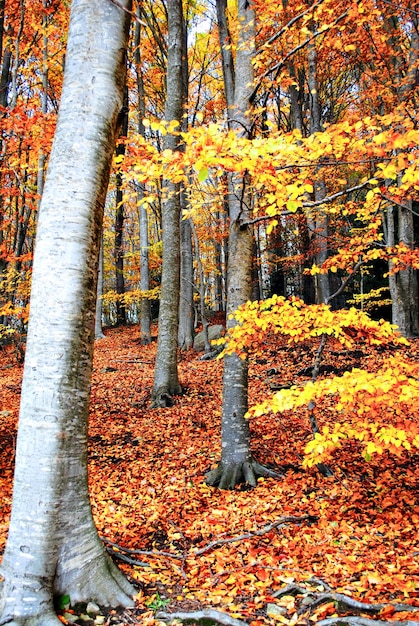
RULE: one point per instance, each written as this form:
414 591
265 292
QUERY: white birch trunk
53 546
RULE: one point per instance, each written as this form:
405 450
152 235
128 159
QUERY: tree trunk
320 221
166 381
99 292
186 295
186 309
403 284
200 271
145 320
121 313
53 546
237 465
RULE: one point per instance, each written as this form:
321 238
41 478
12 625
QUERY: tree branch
206 614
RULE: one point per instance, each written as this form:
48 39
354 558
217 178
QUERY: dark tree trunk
121 314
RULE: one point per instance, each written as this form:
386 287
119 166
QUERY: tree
166 381
53 546
237 464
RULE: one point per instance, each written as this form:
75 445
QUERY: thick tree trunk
166 381
53 546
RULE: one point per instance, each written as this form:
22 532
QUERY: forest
209 312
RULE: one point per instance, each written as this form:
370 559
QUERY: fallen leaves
355 532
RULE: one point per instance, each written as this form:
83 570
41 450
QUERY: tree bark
403 284
121 313
166 380
145 320
99 293
237 465
53 546
186 309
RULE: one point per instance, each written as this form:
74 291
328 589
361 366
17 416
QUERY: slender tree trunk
205 323
186 301
186 308
237 464
99 292
166 380
121 313
53 546
404 288
5 76
320 222
403 284
44 102
145 319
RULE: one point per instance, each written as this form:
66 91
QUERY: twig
347 603
126 559
210 614
217 542
131 13
338 194
132 359
257 533
171 555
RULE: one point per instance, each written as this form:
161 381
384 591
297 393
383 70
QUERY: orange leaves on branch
390 393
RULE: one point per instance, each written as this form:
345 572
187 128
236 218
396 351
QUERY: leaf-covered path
279 553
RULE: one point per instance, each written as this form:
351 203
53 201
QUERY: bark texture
166 381
403 284
53 546
186 309
144 242
237 465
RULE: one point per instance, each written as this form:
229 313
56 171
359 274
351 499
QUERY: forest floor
295 550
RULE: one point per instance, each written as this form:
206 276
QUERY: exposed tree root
49 619
27 601
162 398
354 620
228 476
343 602
101 582
206 614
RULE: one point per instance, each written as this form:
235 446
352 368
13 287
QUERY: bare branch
206 614
133 15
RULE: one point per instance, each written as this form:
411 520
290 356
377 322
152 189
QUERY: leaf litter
262 556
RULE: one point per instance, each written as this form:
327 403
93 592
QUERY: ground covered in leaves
289 551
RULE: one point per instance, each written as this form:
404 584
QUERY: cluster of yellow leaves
300 322
373 299
375 438
392 391
127 298
278 163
